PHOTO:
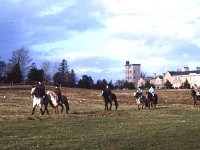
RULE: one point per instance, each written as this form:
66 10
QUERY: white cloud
99 36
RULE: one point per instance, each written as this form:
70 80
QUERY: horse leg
33 110
116 104
138 106
67 108
42 113
106 106
45 108
61 107
110 106
195 102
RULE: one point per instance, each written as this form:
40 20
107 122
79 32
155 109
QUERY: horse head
193 93
53 97
33 90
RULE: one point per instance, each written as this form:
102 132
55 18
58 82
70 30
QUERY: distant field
175 124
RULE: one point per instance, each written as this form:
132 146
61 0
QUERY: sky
97 37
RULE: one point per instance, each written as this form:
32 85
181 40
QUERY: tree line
21 69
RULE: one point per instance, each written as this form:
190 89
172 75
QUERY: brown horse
152 99
195 97
108 98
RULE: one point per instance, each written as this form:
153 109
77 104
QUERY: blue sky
96 37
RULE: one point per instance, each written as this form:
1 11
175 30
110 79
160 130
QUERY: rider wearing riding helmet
41 90
151 90
139 90
107 90
196 89
58 92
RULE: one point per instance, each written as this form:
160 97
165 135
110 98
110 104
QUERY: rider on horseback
140 93
196 89
58 92
41 90
108 91
151 90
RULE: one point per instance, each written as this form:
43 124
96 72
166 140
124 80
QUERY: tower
132 72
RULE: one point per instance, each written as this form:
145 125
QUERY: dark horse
195 97
152 100
140 100
108 98
64 101
39 101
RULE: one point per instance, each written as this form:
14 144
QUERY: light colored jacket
151 90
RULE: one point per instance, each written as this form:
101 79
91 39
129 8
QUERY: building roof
173 73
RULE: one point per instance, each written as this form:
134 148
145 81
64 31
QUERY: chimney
127 63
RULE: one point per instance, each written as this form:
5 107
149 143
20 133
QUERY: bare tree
22 58
46 66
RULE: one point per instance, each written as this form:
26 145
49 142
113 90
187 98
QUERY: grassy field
174 125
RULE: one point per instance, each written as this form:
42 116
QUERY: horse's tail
114 98
65 101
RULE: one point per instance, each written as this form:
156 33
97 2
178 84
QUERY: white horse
38 101
54 100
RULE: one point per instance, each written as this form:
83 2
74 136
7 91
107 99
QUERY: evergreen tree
62 76
147 84
15 75
168 84
35 74
186 85
86 82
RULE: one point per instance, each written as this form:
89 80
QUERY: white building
132 72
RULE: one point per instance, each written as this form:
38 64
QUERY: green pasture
174 125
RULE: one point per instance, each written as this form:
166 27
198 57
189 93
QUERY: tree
168 84
186 85
2 68
15 75
72 78
46 68
119 84
101 84
21 58
129 85
147 84
86 82
62 76
35 74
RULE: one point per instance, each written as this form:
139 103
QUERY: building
177 78
142 81
132 72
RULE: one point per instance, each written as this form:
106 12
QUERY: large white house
177 78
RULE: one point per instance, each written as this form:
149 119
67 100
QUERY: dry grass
173 125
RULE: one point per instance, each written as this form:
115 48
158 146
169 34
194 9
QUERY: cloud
98 36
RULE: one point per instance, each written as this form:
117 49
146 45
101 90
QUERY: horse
152 100
39 101
140 100
195 97
108 98
64 101
55 102
53 97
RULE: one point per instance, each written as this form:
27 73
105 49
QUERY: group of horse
49 98
148 100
